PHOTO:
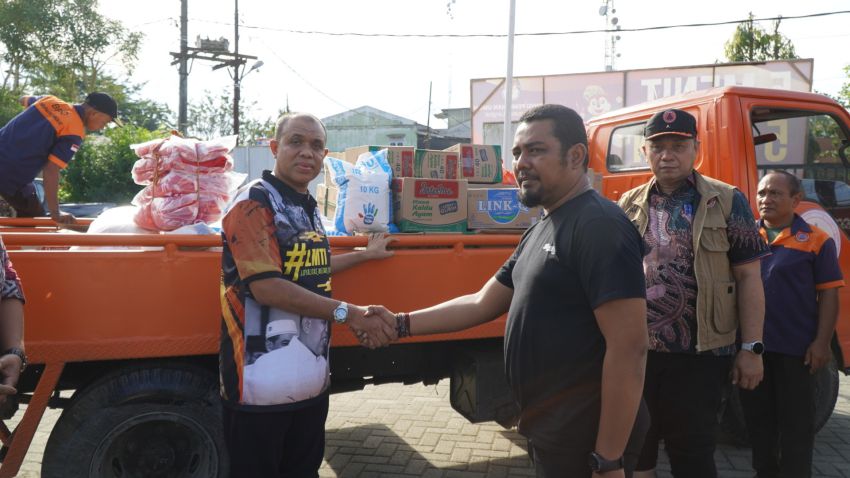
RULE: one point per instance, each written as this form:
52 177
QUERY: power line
307 82
502 35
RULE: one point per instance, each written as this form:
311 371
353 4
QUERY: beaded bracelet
402 321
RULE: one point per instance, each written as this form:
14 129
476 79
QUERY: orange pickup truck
123 332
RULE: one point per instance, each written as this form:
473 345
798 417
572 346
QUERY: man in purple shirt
801 280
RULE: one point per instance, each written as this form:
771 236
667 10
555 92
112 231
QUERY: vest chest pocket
714 239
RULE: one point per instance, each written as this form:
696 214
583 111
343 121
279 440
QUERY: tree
844 93
61 47
213 117
27 33
752 43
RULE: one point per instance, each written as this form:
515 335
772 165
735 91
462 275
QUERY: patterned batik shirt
272 359
671 285
10 283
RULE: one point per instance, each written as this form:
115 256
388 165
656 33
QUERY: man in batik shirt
703 288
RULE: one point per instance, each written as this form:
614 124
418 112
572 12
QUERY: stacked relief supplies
359 194
462 188
186 181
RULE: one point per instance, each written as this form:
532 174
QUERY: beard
530 198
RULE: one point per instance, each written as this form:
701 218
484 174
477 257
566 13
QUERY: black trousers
576 464
780 415
25 202
287 444
684 393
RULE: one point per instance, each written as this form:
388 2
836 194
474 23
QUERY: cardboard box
429 205
400 158
326 197
337 155
431 164
479 163
499 208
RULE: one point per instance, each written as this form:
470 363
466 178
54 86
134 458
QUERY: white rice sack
116 220
364 202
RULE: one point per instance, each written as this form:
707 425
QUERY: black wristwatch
20 353
598 464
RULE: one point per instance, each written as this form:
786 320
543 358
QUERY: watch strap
601 464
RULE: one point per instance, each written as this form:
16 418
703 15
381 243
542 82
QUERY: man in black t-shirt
576 339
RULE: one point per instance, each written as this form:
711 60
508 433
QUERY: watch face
341 313
758 348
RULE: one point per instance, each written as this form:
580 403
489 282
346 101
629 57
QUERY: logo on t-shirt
802 237
550 248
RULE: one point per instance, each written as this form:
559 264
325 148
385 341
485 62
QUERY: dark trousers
576 464
684 393
287 444
25 202
780 415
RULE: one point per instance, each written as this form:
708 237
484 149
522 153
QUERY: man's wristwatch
756 347
20 353
341 313
598 464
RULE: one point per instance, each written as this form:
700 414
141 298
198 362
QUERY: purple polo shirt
803 263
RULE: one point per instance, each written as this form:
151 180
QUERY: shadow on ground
376 450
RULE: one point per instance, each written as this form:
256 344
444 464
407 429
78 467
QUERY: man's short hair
567 125
281 123
795 186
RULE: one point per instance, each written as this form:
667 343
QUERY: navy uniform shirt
803 263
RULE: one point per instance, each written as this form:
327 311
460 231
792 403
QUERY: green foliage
213 117
100 171
62 47
9 106
844 93
752 43
27 33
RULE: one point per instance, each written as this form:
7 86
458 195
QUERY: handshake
375 326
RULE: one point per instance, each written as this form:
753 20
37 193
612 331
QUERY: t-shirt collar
303 199
690 183
797 225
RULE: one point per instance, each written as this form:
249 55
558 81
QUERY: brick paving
411 430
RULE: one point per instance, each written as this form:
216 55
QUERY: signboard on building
592 94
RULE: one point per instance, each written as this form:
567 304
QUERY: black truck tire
734 428
160 421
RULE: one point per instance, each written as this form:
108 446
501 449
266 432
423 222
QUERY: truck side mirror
764 138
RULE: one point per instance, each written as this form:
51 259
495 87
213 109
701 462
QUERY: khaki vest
716 308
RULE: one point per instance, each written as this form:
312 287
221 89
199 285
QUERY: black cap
105 104
671 121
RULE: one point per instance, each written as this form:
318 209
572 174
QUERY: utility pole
182 122
607 10
507 132
217 52
236 65
428 121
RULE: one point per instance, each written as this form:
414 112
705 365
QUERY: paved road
395 430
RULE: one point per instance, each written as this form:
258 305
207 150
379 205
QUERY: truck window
813 146
624 153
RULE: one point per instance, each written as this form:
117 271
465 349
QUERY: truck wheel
733 426
158 422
